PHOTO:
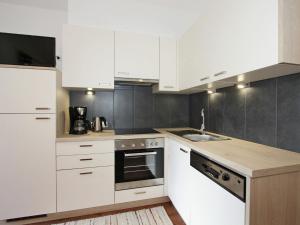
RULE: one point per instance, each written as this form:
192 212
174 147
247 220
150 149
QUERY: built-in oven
139 163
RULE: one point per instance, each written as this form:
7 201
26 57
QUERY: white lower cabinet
85 188
139 194
178 178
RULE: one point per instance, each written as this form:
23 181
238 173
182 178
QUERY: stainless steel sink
198 136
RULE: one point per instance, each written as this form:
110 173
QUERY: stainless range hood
135 81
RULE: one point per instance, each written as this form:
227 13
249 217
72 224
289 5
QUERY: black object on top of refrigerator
27 50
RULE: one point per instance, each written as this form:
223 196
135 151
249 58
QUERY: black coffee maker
78 122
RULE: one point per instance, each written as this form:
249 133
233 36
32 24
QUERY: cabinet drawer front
84 161
85 188
139 194
82 148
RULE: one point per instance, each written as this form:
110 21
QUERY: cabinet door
168 65
228 40
27 159
88 58
178 179
85 188
137 56
27 91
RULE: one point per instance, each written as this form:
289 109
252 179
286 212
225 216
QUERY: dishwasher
218 193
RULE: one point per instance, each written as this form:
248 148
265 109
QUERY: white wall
33 21
158 17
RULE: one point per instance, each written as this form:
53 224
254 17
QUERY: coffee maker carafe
78 122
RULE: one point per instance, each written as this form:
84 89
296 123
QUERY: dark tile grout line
276 113
245 118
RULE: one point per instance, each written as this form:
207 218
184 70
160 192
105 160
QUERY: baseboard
87 212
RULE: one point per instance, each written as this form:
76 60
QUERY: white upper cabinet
136 56
237 37
168 80
88 58
27 90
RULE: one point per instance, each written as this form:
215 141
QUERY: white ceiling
163 17
45 4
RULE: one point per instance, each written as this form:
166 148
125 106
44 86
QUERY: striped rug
153 216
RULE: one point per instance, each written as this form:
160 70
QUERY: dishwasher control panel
226 178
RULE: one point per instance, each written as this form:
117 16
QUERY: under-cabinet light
90 92
211 91
242 85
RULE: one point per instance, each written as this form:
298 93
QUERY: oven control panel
142 143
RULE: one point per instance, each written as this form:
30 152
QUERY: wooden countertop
247 158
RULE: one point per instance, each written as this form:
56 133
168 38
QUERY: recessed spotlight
89 89
242 85
90 92
211 91
141 80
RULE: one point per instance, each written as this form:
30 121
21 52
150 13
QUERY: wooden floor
173 214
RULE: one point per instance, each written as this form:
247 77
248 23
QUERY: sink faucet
203 121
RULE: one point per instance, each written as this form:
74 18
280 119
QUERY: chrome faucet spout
203 121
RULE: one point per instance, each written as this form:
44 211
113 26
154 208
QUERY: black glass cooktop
135 131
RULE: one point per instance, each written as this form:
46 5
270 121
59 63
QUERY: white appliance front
212 204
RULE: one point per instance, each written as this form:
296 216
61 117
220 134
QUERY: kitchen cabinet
84 161
27 90
168 79
85 188
245 36
88 58
178 178
85 174
137 194
27 159
84 147
136 56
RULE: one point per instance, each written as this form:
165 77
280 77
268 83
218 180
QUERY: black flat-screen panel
28 50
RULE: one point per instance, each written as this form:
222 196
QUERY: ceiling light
90 89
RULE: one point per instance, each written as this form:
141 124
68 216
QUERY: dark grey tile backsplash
268 112
135 107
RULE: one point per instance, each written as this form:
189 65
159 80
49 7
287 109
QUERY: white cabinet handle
140 193
204 78
220 73
42 108
104 84
169 87
42 118
123 73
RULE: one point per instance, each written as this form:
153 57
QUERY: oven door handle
140 154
